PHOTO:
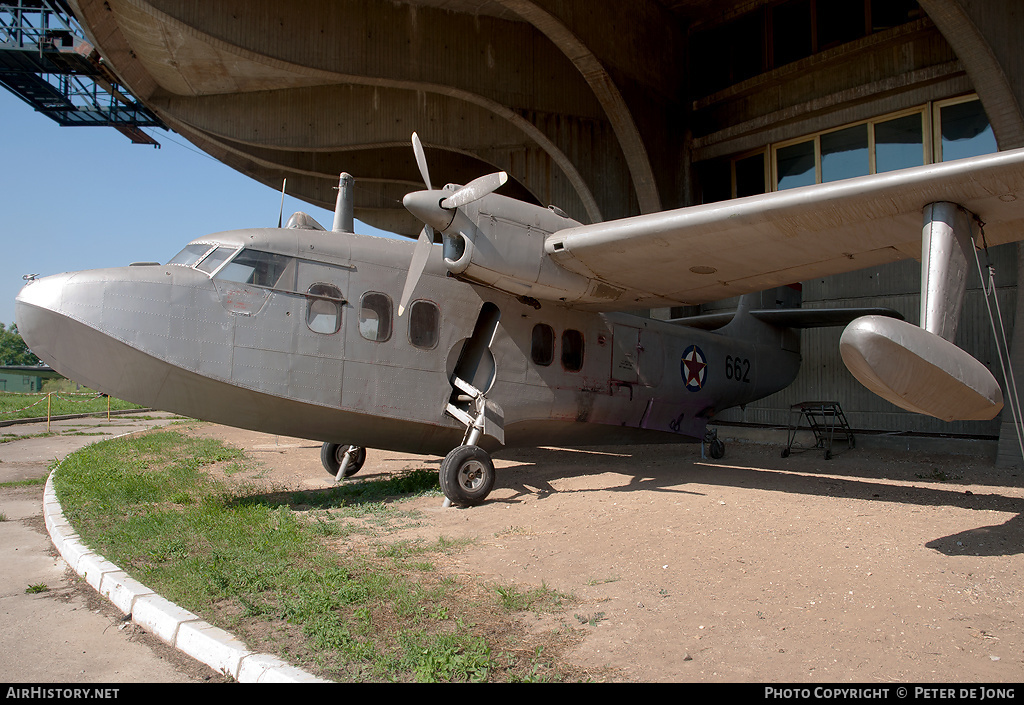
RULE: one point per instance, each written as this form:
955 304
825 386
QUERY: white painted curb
173 625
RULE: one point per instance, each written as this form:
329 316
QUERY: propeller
475 189
421 160
419 261
424 208
426 238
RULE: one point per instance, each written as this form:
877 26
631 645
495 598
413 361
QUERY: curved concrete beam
116 42
607 93
983 67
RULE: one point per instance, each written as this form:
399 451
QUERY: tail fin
752 320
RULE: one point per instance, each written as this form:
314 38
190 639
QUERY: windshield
190 255
215 259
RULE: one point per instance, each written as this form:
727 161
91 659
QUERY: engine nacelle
499 242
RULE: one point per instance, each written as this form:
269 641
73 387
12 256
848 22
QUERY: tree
13 350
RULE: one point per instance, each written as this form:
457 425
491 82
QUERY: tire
467 476
331 455
785 452
716 449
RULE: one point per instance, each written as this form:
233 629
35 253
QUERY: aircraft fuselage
296 332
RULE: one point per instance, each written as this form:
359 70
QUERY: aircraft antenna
280 214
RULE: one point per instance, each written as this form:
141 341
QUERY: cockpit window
215 259
255 267
191 254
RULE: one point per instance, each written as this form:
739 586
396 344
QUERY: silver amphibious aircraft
510 330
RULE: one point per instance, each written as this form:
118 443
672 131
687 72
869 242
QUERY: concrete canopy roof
586 104
563 98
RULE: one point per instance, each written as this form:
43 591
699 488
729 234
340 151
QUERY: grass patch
24 483
313 577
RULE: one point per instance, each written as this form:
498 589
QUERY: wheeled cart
825 420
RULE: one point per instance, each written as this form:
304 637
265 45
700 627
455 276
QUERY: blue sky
86 197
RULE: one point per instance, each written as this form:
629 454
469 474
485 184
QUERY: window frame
289 268
533 347
339 303
582 350
210 246
936 121
235 249
437 326
931 146
391 315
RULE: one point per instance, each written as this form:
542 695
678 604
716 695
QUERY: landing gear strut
467 473
342 460
716 448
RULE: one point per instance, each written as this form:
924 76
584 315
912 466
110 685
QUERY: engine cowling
499 242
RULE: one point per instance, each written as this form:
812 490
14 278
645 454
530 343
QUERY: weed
591 620
36 588
514 599
937 475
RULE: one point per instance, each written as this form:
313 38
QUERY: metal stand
823 419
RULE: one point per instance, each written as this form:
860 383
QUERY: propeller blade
419 261
477 188
421 160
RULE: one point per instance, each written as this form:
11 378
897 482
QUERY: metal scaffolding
46 61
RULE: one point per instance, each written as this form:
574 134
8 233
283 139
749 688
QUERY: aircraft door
636 356
319 331
476 362
472 377
625 350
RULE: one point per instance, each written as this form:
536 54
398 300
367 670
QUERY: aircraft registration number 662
737 368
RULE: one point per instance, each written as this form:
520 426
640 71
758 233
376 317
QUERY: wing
715 251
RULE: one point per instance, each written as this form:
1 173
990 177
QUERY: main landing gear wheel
332 455
716 449
467 476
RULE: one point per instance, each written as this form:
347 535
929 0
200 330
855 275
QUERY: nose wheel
467 476
342 460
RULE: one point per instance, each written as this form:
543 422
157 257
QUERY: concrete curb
173 625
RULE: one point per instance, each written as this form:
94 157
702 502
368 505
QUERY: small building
25 379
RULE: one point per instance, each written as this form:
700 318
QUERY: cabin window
375 316
542 348
257 268
191 254
424 324
212 262
572 350
323 314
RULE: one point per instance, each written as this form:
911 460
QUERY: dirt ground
873 567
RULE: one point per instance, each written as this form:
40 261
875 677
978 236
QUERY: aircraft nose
37 313
426 206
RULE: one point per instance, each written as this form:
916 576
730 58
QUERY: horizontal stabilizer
790 317
919 371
